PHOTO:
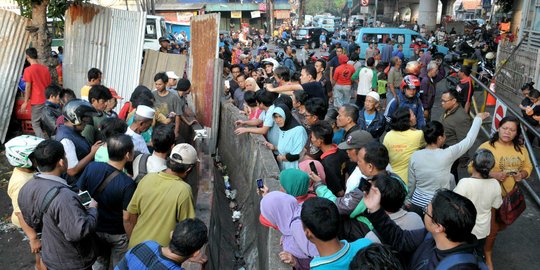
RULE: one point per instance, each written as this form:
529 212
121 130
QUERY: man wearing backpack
163 142
49 206
444 243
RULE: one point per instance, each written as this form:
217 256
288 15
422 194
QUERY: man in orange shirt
37 78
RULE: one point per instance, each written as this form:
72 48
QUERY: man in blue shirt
399 52
187 239
320 218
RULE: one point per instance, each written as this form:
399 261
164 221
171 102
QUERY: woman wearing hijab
281 211
296 183
305 167
292 138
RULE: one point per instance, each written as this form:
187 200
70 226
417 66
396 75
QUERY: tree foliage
334 7
505 5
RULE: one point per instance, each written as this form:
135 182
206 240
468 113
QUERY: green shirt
161 200
91 132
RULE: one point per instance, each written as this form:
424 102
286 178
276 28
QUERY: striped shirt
147 255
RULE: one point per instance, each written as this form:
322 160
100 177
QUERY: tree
313 7
505 5
38 11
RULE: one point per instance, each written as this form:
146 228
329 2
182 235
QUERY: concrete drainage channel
236 239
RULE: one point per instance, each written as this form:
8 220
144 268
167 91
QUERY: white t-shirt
485 194
138 141
365 81
354 180
154 164
71 154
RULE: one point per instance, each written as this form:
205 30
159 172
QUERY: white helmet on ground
490 56
19 149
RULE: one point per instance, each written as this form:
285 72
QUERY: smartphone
313 168
260 183
364 186
85 198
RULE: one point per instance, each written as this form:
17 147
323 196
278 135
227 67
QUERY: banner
255 14
282 14
184 17
236 14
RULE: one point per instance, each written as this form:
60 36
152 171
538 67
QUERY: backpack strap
46 202
105 182
457 259
143 167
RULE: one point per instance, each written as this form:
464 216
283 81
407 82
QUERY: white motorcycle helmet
490 56
18 150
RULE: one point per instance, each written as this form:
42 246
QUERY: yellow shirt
507 159
401 145
85 90
16 182
160 201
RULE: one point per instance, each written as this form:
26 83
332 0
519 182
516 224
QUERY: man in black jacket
449 220
52 109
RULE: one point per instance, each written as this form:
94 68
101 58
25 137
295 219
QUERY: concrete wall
246 159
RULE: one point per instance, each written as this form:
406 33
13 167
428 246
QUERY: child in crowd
381 88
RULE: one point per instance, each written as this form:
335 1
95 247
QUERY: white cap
172 75
374 95
184 154
145 112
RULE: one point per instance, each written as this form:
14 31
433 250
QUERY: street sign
365 3
498 115
364 10
349 3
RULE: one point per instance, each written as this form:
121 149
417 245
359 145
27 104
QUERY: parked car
309 35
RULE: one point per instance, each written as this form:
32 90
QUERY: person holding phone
67 226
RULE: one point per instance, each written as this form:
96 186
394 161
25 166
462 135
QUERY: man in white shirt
366 78
144 117
163 142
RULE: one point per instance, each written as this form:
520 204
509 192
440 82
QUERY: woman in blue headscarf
292 138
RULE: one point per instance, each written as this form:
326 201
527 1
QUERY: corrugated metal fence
204 51
13 41
108 39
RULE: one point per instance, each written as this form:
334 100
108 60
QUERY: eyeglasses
447 100
425 211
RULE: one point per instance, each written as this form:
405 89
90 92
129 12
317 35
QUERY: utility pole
270 7
375 18
301 12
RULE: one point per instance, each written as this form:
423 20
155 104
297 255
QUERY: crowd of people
369 180
100 189
368 177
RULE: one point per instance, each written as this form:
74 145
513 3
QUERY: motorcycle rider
408 97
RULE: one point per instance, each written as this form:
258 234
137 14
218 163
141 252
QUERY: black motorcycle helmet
76 109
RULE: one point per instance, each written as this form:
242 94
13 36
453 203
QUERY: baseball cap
172 75
145 111
114 94
163 39
356 140
184 154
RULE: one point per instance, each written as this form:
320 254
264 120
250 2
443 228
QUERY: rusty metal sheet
204 49
155 62
108 39
13 40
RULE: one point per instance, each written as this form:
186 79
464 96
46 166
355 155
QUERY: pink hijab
304 166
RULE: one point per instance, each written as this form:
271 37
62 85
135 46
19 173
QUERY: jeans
37 112
342 95
115 246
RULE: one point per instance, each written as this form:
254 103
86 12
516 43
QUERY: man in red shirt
342 79
37 78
